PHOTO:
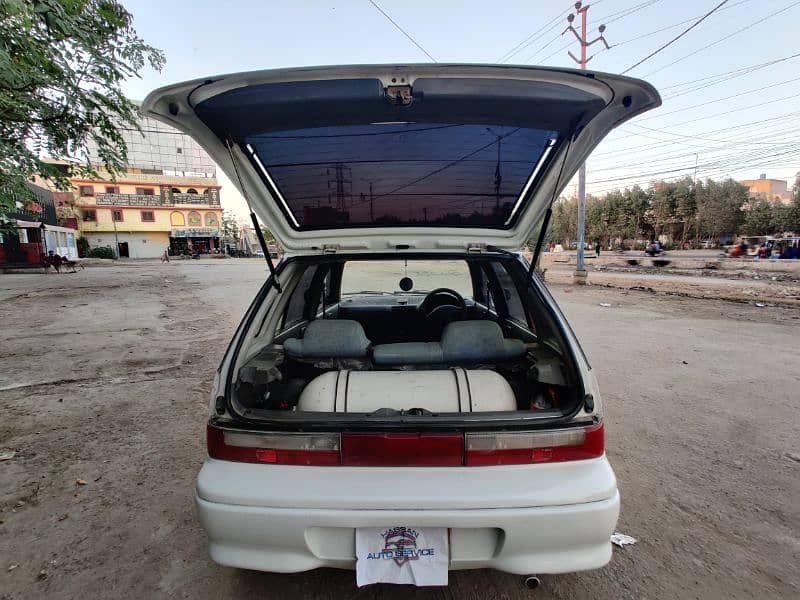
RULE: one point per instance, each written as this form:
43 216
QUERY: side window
514 303
296 305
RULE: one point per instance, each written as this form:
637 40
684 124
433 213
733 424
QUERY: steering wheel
440 307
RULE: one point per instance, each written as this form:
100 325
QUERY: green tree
564 222
792 222
62 63
229 228
662 208
685 207
719 207
637 202
759 218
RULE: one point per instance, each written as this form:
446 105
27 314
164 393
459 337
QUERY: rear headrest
329 338
478 341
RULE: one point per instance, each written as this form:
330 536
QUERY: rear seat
462 342
330 338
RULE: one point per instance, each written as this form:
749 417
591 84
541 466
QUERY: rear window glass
297 302
426 275
513 302
397 174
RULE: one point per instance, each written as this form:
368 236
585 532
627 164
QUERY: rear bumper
524 540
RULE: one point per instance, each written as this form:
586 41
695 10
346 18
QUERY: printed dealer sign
415 555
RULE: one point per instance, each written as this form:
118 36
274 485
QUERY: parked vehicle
403 367
654 249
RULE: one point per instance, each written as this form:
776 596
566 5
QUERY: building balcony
166 200
204 199
128 200
160 178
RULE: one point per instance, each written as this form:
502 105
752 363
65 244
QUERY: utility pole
580 270
371 204
116 239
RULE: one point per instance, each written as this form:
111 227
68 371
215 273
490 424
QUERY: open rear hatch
433 157
360 163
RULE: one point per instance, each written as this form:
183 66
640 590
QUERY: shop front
202 240
31 230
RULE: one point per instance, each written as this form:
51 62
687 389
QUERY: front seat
330 338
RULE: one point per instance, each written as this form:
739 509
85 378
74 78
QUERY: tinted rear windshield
401 174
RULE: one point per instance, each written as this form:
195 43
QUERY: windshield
426 275
406 174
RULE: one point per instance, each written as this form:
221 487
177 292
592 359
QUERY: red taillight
577 443
276 449
406 449
403 449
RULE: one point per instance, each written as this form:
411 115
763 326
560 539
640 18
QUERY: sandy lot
105 381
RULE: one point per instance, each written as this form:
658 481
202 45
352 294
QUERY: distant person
165 256
597 248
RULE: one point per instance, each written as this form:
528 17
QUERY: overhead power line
738 72
695 136
735 146
783 116
763 137
532 38
745 159
626 12
679 36
722 39
674 25
401 30
729 111
706 103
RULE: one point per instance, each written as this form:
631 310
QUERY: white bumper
251 526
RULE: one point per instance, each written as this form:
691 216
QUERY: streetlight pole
580 270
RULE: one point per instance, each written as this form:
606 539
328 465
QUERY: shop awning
27 224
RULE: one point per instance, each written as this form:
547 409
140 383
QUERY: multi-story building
167 198
768 189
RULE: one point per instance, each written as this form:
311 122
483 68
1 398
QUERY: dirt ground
104 394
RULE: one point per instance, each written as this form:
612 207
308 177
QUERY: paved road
105 380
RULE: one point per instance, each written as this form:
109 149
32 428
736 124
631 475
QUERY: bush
101 252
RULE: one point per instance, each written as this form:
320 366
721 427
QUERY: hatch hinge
330 248
399 95
478 248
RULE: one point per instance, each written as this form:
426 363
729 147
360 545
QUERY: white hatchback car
403 386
